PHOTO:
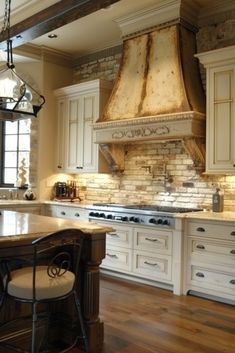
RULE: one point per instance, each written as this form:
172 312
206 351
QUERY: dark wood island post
94 252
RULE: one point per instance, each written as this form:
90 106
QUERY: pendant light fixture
18 100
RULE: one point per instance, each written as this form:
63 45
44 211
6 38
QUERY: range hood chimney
158 95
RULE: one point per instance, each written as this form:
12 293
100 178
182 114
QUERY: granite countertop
220 216
17 225
209 215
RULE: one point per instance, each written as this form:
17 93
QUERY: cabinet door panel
61 108
220 119
89 148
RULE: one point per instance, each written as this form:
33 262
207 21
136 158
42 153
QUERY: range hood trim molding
150 119
148 129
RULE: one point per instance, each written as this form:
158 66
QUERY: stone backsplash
157 173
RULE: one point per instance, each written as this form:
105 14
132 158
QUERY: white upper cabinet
79 106
220 83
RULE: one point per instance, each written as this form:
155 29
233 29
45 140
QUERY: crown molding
164 11
34 52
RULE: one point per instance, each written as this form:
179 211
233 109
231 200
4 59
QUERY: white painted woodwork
210 258
144 255
79 106
220 126
60 211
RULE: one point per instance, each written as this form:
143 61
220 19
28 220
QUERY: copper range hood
157 96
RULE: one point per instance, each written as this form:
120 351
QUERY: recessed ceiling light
52 35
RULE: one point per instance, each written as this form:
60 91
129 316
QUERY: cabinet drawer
152 266
215 230
219 252
72 213
117 259
153 240
120 236
208 278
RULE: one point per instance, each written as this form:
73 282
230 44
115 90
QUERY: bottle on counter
218 201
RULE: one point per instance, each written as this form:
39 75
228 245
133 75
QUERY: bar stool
45 272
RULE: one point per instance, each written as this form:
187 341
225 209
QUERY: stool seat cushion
21 284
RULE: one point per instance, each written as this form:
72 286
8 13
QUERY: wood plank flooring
144 319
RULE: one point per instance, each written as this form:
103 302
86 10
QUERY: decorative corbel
196 149
114 155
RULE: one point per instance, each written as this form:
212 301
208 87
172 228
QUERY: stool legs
84 336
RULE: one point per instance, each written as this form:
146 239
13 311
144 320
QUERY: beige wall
47 76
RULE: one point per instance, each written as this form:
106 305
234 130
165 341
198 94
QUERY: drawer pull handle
232 233
114 235
63 213
200 229
152 239
200 246
200 274
232 281
77 215
151 264
112 256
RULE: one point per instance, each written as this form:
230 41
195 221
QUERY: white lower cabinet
210 258
141 253
118 249
69 212
151 248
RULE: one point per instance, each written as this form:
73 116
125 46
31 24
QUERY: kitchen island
21 228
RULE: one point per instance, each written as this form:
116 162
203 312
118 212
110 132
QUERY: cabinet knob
232 252
232 281
200 274
63 213
79 167
59 166
200 229
233 165
232 233
77 214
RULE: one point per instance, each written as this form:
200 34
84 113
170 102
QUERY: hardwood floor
144 319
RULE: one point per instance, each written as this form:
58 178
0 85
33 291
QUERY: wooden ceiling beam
51 18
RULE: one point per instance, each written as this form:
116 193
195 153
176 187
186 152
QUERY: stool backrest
60 251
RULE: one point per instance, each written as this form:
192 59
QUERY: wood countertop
16 226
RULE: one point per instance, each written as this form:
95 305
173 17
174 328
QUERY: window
15 146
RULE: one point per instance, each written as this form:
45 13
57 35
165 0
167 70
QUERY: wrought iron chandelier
18 100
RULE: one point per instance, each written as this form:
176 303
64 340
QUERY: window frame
2 154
